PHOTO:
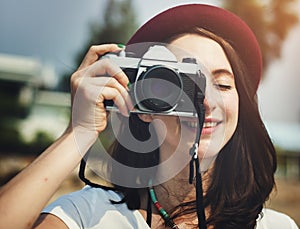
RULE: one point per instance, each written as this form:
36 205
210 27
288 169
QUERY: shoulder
92 208
274 219
75 209
87 199
92 196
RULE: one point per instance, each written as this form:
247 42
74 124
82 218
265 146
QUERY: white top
91 208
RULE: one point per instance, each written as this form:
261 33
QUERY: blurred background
43 42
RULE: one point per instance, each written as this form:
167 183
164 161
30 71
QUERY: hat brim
214 19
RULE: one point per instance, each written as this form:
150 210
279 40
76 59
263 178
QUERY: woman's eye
223 87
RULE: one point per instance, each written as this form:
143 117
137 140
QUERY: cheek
231 108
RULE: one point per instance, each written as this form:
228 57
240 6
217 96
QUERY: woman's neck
173 192
170 195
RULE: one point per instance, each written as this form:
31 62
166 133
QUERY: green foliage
39 143
11 106
270 20
11 140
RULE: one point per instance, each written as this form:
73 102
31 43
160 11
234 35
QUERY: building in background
31 112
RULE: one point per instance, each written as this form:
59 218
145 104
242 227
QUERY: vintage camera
159 83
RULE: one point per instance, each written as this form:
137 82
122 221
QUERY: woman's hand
95 81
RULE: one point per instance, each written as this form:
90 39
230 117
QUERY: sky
53 31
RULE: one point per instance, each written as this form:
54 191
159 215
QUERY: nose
211 98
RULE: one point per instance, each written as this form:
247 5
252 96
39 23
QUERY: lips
210 125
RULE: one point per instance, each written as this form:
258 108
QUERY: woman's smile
209 126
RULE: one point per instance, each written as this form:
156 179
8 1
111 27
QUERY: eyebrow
222 71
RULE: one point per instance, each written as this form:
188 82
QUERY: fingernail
128 86
121 46
127 114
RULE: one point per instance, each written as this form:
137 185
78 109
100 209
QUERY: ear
145 117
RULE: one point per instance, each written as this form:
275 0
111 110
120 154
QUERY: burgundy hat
217 20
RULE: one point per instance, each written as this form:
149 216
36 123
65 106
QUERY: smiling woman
161 177
221 133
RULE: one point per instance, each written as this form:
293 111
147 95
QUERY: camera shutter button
189 60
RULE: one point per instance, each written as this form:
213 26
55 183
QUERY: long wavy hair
242 177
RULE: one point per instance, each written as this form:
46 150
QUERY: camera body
159 83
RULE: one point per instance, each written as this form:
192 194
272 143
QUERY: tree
270 20
117 26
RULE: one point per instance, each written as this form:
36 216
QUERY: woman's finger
95 52
110 83
100 69
119 100
106 67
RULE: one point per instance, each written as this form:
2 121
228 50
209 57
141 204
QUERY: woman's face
221 103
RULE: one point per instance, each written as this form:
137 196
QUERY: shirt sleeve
275 220
66 210
85 208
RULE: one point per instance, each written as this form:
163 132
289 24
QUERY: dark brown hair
243 174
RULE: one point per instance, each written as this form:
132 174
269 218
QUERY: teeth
205 125
192 124
209 124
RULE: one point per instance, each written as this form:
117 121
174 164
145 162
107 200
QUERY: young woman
237 158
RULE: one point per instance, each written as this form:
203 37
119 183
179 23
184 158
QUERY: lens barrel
159 88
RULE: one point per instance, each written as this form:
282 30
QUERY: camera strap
195 171
83 178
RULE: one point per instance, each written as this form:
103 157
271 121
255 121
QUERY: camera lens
159 89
